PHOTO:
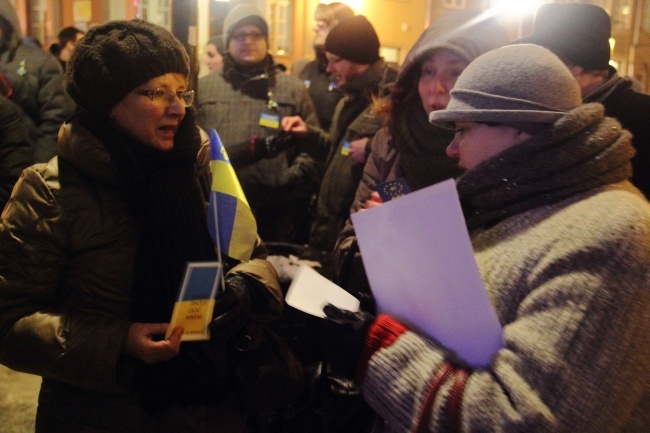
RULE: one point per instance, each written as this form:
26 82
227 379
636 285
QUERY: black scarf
163 194
422 148
238 74
581 151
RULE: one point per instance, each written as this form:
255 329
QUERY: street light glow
514 8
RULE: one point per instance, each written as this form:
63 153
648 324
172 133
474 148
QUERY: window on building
155 11
622 14
279 15
38 17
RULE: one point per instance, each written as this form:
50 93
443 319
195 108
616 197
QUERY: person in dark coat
409 147
36 81
321 84
579 35
352 50
68 38
94 244
15 149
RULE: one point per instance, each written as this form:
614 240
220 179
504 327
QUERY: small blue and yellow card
195 303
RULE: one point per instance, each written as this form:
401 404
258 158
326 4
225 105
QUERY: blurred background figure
15 150
579 34
321 84
353 59
35 80
245 101
67 39
215 49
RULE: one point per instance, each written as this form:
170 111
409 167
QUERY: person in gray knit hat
111 222
245 101
579 35
562 240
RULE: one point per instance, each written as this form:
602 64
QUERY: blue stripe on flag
228 205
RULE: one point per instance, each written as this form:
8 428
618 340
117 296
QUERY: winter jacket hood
8 16
465 32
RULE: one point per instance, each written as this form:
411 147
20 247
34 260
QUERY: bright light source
514 7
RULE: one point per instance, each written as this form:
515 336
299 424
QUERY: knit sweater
569 280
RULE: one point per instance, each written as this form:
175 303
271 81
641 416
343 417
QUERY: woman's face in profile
153 122
438 76
213 59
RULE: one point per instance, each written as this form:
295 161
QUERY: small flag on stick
229 214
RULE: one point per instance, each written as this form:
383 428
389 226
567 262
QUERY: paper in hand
310 292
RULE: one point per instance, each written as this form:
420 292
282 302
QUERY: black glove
343 339
231 310
270 146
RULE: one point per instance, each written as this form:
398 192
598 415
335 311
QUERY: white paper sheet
310 292
422 271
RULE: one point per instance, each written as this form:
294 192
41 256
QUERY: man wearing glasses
245 102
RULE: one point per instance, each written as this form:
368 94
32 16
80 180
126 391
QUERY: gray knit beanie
113 59
242 15
512 84
577 33
354 39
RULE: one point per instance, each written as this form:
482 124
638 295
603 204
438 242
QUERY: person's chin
163 144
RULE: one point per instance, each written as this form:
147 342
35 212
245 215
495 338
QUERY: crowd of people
106 176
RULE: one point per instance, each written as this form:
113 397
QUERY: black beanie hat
113 59
354 39
577 33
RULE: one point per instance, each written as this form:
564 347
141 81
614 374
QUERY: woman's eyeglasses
164 98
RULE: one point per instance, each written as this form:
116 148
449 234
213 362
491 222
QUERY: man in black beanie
352 50
322 89
579 35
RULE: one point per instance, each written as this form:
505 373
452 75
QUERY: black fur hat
577 33
113 59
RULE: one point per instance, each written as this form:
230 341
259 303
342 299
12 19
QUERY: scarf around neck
583 150
164 196
422 148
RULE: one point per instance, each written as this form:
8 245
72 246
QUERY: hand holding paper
310 292
430 280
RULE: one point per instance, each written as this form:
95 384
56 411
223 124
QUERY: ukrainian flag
228 210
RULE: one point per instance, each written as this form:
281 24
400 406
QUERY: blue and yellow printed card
196 298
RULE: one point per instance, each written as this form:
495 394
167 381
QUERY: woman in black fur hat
99 238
